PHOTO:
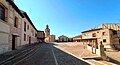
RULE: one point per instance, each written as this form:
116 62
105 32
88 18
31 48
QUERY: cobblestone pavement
47 54
115 56
43 56
10 54
67 59
79 50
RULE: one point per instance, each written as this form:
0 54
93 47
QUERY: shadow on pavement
114 61
45 56
64 58
99 58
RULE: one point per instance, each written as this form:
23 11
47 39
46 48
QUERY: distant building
70 39
48 37
63 38
40 36
47 34
109 34
77 38
52 38
47 31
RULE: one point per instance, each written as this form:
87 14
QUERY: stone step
110 50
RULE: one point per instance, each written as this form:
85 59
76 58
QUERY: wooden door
13 42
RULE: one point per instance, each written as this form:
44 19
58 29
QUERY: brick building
109 34
77 38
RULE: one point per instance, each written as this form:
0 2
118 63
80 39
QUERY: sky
70 17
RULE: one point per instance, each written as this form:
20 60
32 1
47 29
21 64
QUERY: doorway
13 42
119 41
29 40
62 39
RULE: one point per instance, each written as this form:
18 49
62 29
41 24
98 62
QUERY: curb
82 58
74 55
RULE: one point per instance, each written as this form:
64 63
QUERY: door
29 40
62 39
13 42
119 41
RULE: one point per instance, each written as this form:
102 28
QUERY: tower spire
47 26
47 31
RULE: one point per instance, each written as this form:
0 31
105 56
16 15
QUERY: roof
25 14
22 14
92 30
78 36
62 36
40 31
15 7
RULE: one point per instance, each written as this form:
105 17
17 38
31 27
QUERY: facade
63 38
77 38
115 35
52 38
108 34
70 39
40 36
47 39
29 32
10 26
16 28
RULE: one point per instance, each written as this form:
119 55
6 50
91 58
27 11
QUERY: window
16 22
104 40
118 26
24 37
2 13
94 35
114 32
103 33
32 31
24 26
28 27
84 34
35 34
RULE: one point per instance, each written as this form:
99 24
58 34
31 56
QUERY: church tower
47 31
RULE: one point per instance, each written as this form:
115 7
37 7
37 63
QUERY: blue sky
70 17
